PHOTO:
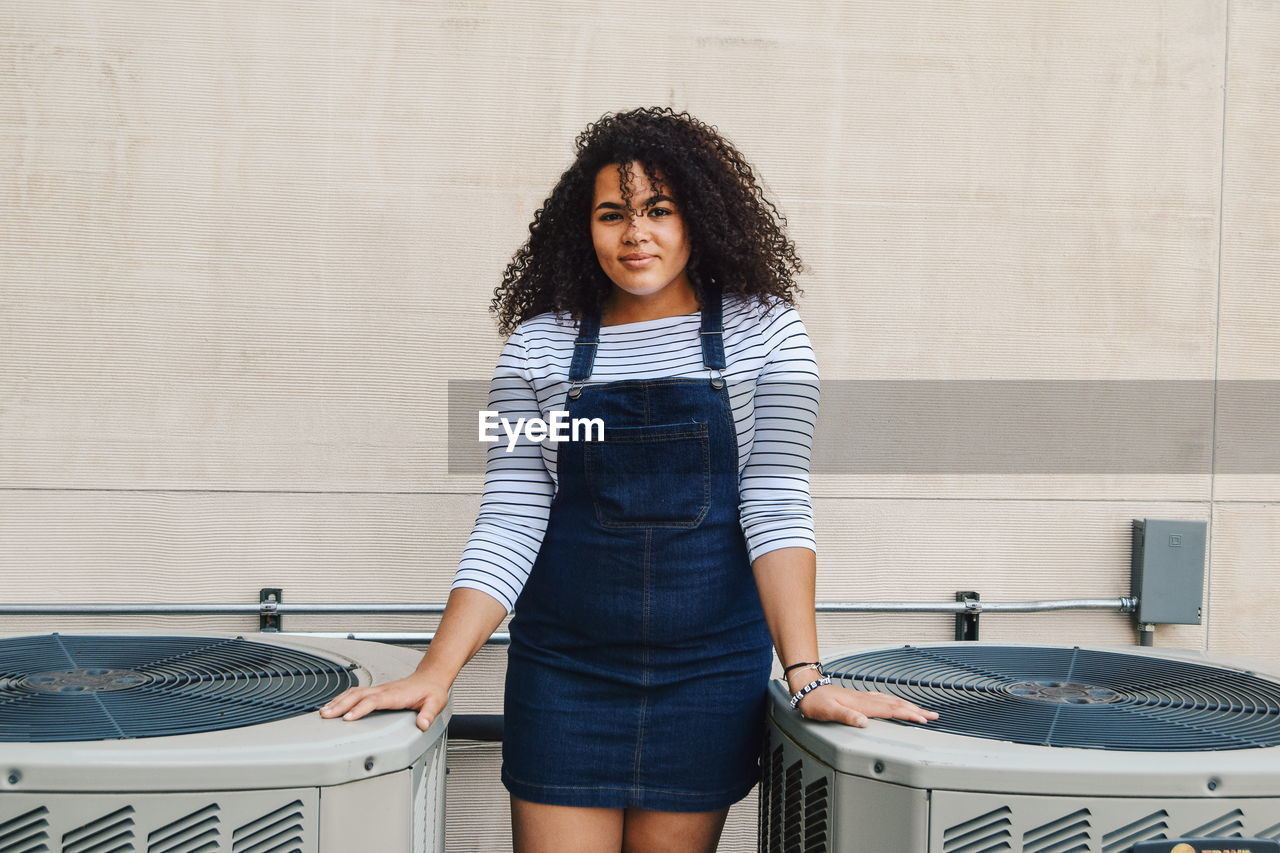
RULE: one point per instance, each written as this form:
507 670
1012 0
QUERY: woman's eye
609 217
661 210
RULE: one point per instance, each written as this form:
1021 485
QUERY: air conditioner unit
1038 748
209 743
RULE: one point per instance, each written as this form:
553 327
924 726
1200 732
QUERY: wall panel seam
1217 328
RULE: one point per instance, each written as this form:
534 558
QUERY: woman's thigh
542 828
647 831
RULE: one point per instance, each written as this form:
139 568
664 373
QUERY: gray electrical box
1168 570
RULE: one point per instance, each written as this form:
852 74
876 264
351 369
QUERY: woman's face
642 250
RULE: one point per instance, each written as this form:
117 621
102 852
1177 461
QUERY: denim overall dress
639 654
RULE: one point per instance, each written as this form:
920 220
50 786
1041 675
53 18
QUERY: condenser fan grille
78 688
1074 697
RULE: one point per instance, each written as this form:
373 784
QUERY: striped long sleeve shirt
772 379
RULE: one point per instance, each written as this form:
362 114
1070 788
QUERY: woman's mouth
636 262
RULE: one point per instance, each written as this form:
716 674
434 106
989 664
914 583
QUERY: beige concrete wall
244 245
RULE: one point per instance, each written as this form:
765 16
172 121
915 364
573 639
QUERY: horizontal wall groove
477 493
90 490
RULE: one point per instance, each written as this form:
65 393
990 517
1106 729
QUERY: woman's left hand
854 707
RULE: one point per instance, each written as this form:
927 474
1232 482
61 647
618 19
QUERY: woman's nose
635 228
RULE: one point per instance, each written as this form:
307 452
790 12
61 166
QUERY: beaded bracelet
808 688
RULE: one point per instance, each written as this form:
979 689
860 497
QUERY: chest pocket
650 476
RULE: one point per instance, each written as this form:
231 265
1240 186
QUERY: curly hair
736 235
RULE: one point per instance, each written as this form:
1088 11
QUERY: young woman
652 573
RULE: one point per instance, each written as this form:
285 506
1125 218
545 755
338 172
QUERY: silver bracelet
808 688
816 667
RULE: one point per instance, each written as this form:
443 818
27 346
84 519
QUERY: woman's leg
542 828
647 831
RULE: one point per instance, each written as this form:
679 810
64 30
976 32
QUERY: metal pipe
405 638
408 638
476 727
1121 605
215 609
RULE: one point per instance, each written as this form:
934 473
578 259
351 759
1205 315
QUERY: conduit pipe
1120 605
277 609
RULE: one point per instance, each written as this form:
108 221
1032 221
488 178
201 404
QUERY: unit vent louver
1151 827
771 798
815 816
193 833
1227 826
112 833
988 833
26 833
794 816
281 830
1069 834
1072 697
83 688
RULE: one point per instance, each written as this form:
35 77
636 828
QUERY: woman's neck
622 307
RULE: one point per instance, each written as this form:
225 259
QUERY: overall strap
712 330
584 348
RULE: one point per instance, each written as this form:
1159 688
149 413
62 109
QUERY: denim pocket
650 476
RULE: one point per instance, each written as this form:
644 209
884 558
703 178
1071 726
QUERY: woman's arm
495 563
774 503
518 489
777 519
470 617
785 579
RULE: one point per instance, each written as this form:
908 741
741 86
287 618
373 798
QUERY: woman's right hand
470 616
421 694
